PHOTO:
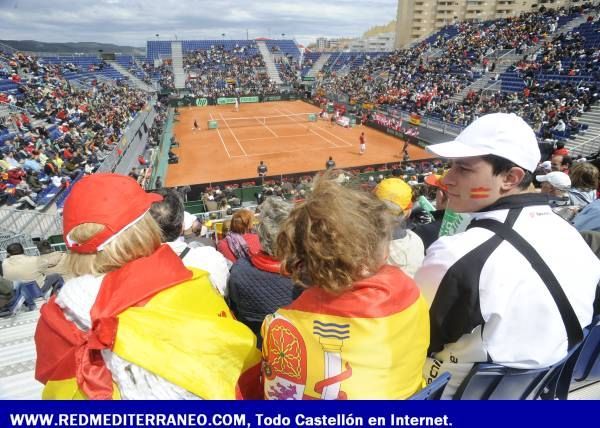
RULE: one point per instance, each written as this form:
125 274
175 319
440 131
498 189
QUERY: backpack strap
184 252
572 325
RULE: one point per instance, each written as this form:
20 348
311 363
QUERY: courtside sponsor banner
258 414
225 100
249 99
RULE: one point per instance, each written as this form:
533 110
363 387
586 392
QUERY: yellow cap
396 191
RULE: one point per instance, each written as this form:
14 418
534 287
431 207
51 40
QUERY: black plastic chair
434 390
487 381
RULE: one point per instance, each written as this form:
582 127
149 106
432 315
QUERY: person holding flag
360 330
133 322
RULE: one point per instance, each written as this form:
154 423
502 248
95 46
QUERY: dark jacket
257 290
429 233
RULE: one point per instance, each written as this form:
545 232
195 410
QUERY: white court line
282 151
221 137
333 135
310 130
232 133
269 138
265 125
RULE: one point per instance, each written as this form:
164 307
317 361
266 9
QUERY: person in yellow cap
406 248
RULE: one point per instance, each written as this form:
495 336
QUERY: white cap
557 179
502 134
188 220
546 165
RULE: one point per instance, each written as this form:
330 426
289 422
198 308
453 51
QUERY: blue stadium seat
488 381
585 366
434 390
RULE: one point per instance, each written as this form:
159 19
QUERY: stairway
509 58
134 80
318 66
589 142
177 63
270 63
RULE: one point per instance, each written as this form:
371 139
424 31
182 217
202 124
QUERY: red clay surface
287 144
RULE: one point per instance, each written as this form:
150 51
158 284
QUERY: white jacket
489 304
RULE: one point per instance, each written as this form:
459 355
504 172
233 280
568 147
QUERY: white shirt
205 258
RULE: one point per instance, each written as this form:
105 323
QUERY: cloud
133 22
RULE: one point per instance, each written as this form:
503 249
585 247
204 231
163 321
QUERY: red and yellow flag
165 310
369 342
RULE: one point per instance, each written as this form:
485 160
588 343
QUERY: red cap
115 201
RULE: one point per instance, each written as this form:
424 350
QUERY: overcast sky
133 22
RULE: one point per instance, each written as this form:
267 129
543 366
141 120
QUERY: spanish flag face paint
480 192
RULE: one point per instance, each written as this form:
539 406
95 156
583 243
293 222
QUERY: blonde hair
140 240
335 237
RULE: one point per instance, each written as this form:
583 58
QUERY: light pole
223 35
282 36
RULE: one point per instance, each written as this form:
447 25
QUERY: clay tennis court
280 134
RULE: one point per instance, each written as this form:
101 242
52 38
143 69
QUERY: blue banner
258 414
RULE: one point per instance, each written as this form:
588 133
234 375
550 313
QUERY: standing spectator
330 164
366 316
130 303
478 313
261 169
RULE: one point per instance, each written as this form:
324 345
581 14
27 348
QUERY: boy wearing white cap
488 300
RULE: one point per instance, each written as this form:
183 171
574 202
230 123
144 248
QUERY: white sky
133 22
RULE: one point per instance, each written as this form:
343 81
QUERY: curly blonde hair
139 240
337 236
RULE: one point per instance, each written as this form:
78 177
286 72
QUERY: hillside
79 47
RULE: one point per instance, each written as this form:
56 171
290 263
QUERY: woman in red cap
133 322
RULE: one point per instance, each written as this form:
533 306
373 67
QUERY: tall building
383 42
418 18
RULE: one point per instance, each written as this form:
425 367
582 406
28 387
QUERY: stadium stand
63 117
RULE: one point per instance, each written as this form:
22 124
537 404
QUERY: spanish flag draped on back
167 319
368 342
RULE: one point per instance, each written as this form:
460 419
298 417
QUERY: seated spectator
23 268
367 316
240 241
406 248
430 231
7 293
128 287
557 185
478 313
194 232
584 184
588 219
257 286
169 215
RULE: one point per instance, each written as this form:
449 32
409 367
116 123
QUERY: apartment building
418 18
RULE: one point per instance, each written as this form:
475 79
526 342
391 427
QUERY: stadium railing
122 157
